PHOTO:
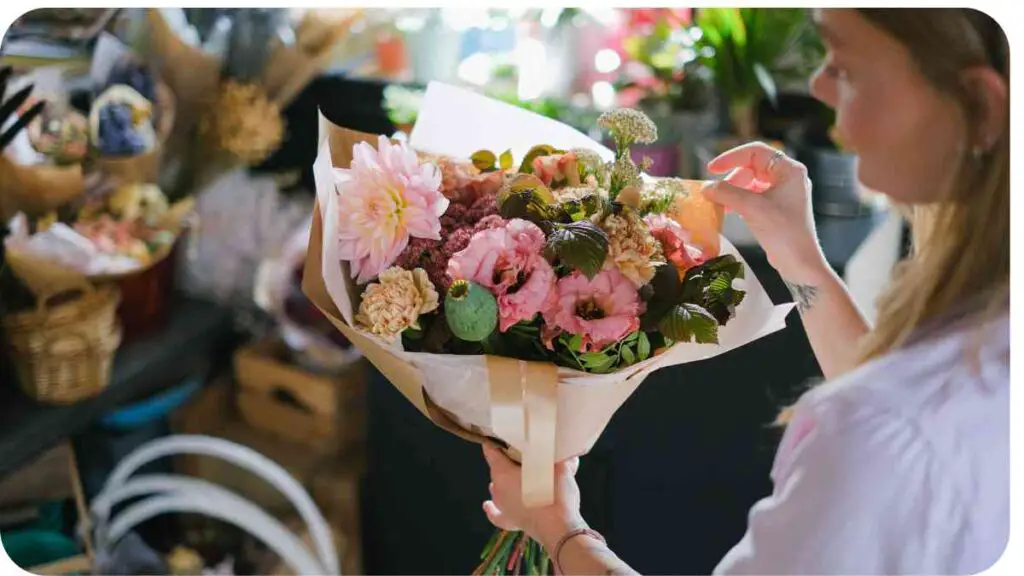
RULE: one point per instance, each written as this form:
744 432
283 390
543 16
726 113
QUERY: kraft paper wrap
42 276
291 68
138 169
538 412
37 189
191 75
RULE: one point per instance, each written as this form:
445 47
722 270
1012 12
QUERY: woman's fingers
496 517
753 155
746 179
764 161
498 462
742 177
732 197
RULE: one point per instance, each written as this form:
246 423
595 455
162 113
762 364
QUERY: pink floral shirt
900 467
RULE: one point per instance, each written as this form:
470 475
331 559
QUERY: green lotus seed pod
470 310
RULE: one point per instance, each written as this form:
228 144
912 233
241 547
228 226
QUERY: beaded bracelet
569 536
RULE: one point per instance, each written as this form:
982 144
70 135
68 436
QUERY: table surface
195 330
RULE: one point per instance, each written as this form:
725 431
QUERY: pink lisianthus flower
507 259
675 242
601 311
384 198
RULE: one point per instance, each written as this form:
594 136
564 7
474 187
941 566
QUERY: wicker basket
63 350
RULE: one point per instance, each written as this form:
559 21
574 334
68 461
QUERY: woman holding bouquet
899 464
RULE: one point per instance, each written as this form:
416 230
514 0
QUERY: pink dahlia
675 242
385 197
601 311
507 259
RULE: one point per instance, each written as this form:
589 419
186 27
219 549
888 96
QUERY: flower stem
513 553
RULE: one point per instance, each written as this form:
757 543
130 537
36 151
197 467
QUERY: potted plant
665 78
752 51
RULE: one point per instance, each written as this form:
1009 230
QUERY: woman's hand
546 524
773 196
772 193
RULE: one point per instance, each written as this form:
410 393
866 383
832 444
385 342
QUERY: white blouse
900 467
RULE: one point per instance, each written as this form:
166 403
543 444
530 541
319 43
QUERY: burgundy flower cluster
458 225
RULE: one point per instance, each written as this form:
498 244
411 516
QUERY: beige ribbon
524 412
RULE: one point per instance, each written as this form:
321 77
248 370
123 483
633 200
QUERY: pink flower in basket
508 260
601 311
385 197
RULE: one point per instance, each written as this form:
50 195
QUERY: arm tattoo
804 295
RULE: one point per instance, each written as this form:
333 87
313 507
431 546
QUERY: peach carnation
631 246
395 302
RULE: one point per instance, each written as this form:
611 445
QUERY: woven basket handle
43 303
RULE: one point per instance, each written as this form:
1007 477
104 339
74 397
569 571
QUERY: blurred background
155 199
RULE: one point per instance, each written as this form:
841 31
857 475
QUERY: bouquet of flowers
517 282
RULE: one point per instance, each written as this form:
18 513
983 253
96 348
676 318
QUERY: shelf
197 331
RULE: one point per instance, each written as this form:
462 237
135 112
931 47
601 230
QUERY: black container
833 175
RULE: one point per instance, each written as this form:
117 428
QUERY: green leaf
527 183
575 342
690 323
634 47
627 356
581 245
764 78
664 59
525 328
710 286
662 30
643 347
582 208
720 285
667 291
527 206
505 161
597 362
484 160
492 344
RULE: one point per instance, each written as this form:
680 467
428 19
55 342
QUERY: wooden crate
277 396
211 413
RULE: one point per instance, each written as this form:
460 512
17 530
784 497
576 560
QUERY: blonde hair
960 254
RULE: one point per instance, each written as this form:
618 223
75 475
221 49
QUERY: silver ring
779 155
